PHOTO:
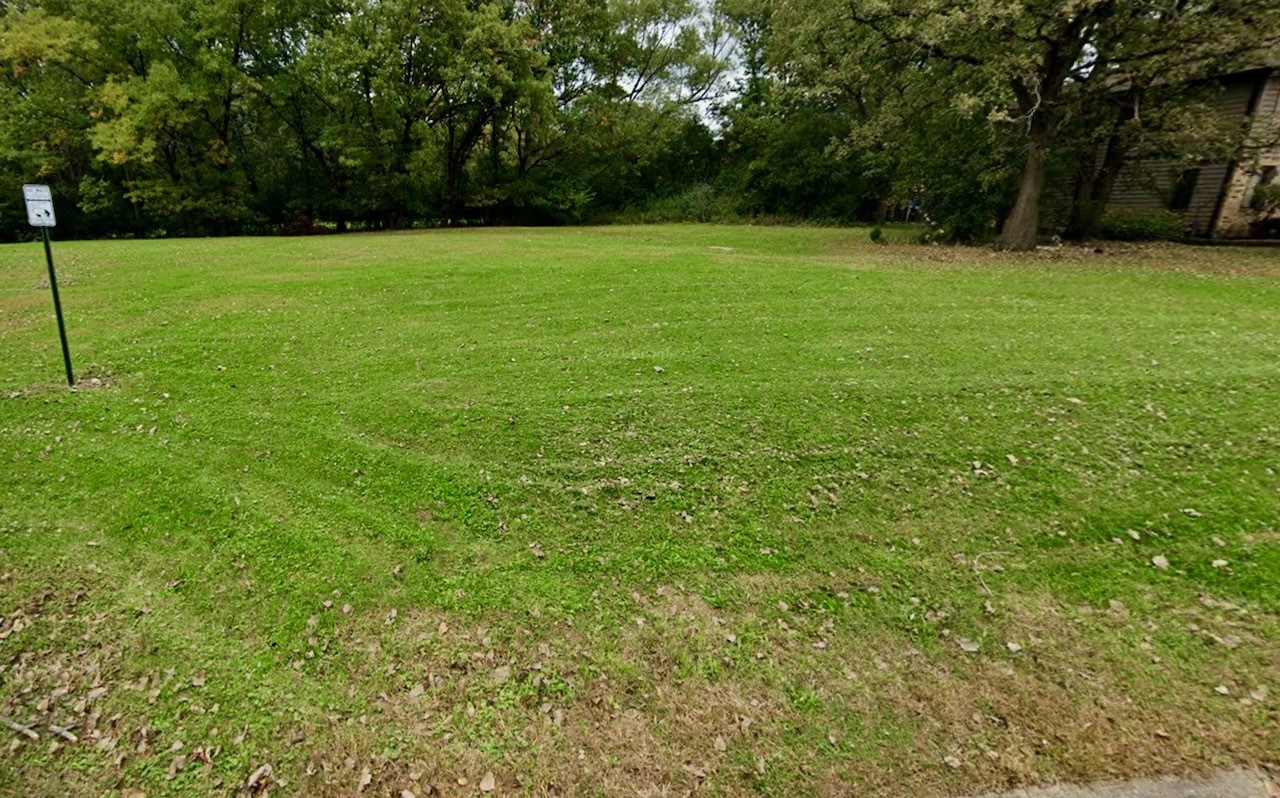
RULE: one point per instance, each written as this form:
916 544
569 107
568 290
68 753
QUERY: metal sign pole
39 200
57 306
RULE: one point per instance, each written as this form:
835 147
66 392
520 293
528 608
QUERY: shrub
1135 224
1266 199
877 235
698 203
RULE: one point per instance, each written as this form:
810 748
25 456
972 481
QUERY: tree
1030 68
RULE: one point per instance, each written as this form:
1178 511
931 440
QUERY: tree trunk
1082 194
1022 225
1091 201
1103 184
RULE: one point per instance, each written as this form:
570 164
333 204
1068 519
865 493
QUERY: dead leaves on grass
665 720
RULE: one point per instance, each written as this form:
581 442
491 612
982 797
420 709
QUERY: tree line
207 117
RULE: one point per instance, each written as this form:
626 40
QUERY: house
1217 199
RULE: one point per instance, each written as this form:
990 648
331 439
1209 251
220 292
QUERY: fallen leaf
366 778
178 763
1220 563
721 745
257 777
1160 561
500 675
417 692
1222 690
488 783
969 645
346 609
1013 647
952 762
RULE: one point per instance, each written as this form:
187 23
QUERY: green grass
695 475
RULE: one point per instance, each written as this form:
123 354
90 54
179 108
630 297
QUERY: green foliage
781 162
1038 77
1133 224
1266 199
221 116
877 235
700 203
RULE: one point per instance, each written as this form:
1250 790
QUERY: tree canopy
184 117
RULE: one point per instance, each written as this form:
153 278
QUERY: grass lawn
635 511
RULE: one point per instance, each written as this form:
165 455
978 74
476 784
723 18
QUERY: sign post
40 214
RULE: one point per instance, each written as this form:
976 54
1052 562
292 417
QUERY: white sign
39 205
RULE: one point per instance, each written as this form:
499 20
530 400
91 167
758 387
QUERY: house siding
1147 185
1236 217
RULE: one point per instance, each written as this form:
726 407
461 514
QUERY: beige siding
1208 191
1236 96
1148 184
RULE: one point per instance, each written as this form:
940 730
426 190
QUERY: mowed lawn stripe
820 483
